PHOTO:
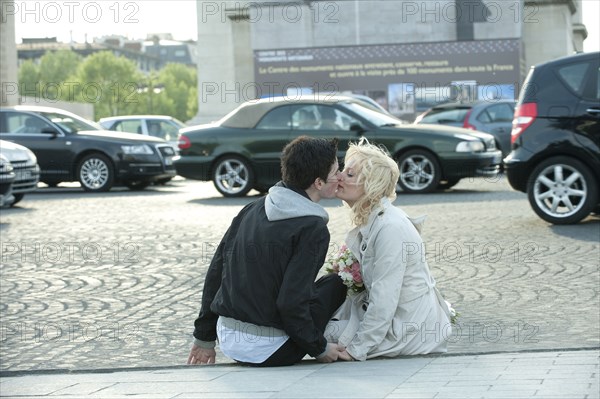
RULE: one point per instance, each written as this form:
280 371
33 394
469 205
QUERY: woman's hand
343 354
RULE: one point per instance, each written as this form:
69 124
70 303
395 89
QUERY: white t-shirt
247 347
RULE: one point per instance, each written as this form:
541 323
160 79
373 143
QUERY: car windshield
71 123
375 117
445 115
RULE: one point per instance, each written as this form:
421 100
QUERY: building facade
407 55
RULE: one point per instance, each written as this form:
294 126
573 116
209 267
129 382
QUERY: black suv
70 148
555 154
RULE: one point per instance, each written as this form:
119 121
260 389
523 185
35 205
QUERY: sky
76 20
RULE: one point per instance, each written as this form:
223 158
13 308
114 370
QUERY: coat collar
357 234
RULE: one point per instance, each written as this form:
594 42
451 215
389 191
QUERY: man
260 297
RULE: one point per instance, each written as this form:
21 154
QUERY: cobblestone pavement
113 280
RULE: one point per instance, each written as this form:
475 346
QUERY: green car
242 151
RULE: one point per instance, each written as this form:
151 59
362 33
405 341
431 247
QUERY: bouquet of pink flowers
347 267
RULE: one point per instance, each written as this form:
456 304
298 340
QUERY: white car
27 171
161 126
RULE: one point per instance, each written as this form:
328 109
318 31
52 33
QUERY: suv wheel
232 176
419 172
562 190
95 173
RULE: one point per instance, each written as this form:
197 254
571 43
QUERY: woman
400 312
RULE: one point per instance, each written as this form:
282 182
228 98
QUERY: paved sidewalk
553 374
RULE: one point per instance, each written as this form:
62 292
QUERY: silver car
492 116
161 126
26 169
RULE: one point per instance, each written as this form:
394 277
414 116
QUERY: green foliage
112 84
58 66
180 83
29 79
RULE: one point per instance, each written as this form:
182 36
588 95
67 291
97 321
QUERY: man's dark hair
306 158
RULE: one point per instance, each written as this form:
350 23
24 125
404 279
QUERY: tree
29 79
111 83
180 86
58 66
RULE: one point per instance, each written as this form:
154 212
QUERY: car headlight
137 149
470 146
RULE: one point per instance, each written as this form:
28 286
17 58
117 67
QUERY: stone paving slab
114 280
407 377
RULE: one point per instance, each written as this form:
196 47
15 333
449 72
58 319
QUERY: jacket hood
283 203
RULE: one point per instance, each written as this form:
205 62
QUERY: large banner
404 78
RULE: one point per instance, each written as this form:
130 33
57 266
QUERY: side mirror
50 130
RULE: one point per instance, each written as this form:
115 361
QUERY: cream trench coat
400 312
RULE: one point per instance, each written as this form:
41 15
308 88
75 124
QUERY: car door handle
593 111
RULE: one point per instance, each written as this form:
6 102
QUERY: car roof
471 104
249 113
40 108
123 117
36 108
569 58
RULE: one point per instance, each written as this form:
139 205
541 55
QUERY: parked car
27 171
70 148
242 151
161 126
493 116
555 156
7 176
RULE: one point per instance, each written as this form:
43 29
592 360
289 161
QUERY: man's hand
201 355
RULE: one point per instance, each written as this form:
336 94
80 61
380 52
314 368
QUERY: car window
456 115
573 75
130 126
17 122
374 117
333 119
71 123
306 118
276 119
162 129
498 113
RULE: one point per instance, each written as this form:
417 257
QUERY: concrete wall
224 58
548 30
8 56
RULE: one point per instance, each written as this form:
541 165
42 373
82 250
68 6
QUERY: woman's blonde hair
377 172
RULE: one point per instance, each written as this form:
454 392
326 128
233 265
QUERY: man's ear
318 183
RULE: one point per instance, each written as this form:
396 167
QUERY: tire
164 181
95 173
233 176
562 190
18 198
446 184
419 172
137 185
